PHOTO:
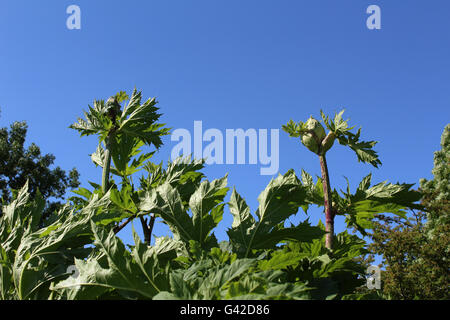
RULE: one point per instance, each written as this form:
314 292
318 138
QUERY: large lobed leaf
366 202
205 203
133 275
126 154
281 199
205 280
141 120
34 256
44 255
363 149
362 206
182 173
329 274
96 121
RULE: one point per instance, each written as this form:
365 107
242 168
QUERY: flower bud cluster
315 139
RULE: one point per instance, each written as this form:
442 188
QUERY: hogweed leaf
281 198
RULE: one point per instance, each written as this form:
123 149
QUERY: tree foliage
415 251
437 191
19 164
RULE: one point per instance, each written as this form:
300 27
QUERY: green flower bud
312 142
328 142
113 108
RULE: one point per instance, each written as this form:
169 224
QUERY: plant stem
151 223
106 165
146 231
118 228
329 214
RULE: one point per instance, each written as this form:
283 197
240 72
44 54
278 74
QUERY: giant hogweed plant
362 206
122 131
264 257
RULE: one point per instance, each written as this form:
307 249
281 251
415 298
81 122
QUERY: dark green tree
19 164
416 251
437 191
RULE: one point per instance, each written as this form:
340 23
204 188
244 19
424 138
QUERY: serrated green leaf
280 260
205 203
282 198
133 274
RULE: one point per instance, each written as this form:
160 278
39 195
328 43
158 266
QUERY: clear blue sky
236 64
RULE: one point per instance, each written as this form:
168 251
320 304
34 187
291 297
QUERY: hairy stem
120 227
329 214
151 223
106 165
146 231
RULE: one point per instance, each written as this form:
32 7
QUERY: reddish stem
118 228
329 214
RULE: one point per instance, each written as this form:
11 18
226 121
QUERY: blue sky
235 64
